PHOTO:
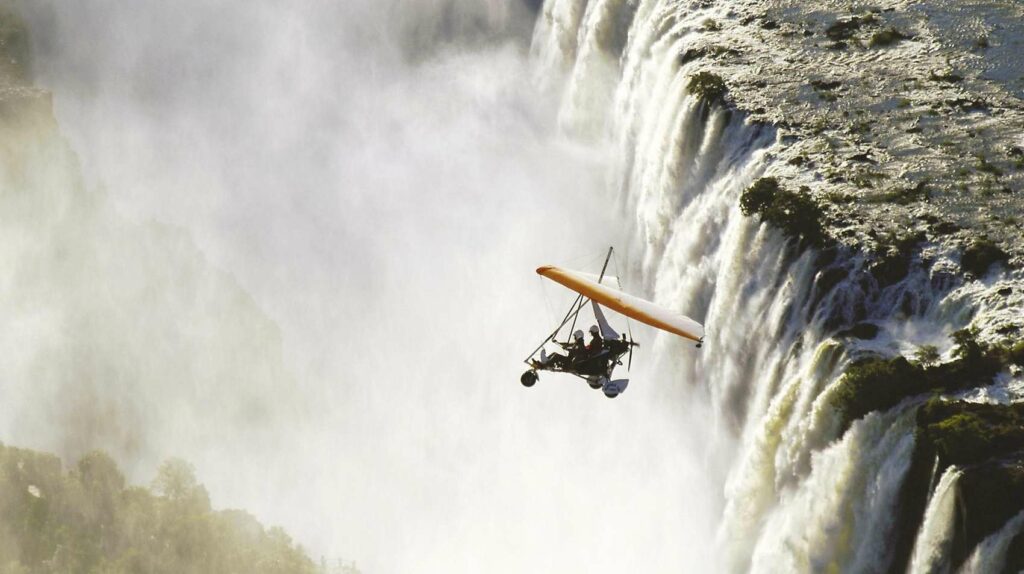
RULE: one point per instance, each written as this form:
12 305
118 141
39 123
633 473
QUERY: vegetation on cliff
90 520
987 442
709 87
877 383
964 433
794 213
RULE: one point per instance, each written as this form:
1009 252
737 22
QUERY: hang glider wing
630 306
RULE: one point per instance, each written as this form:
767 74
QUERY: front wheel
529 378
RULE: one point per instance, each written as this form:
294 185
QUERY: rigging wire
618 280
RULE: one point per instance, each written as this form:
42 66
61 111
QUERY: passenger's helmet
594 330
578 334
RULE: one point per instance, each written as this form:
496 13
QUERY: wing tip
544 269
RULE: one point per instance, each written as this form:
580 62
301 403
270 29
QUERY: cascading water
798 495
990 555
931 550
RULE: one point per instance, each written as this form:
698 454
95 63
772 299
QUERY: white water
990 555
935 538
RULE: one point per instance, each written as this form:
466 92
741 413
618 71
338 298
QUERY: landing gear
529 378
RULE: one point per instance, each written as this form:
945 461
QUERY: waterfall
798 495
840 517
990 555
931 550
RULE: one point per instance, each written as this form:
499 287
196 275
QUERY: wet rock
865 331
843 29
980 255
887 37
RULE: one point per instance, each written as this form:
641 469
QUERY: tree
927 355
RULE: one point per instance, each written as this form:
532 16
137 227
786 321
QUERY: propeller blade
630 362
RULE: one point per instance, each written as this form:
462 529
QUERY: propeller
631 345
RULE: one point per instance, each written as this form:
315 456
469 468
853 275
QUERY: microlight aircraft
596 366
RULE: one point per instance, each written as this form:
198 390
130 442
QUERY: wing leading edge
630 306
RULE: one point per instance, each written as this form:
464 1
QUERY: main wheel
529 378
594 384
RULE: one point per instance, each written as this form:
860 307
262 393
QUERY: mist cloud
331 212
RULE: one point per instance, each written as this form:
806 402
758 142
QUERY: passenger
596 342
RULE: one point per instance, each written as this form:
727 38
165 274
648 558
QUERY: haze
382 178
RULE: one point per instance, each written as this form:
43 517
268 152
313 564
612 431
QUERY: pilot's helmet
577 335
594 330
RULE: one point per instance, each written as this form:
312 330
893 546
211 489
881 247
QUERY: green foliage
967 346
707 86
757 197
982 254
967 433
88 520
875 384
986 441
175 479
926 355
795 213
878 383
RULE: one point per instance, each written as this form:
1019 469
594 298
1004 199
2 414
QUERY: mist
372 184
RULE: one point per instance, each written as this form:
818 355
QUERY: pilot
578 352
596 342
